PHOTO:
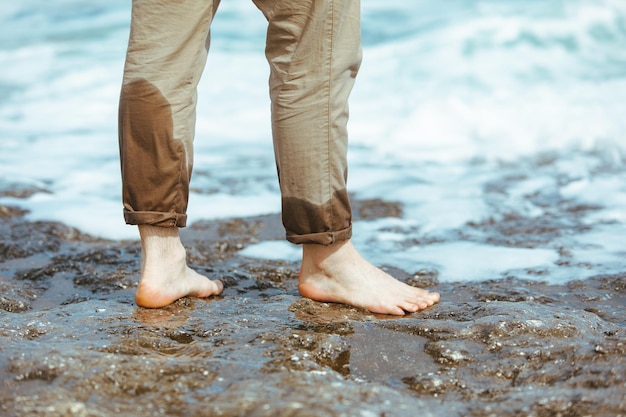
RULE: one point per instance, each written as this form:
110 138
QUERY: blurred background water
465 111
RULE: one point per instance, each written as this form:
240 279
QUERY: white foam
273 250
456 261
219 206
467 261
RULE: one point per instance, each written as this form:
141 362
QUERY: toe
410 307
219 286
433 297
397 311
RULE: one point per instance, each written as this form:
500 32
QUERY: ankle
326 261
148 233
318 255
161 243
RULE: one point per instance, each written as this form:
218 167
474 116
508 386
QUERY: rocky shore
72 342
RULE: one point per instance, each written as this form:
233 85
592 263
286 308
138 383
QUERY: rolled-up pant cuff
155 218
324 238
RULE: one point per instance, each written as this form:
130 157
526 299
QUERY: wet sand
72 343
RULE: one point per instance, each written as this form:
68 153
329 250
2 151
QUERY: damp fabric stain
72 343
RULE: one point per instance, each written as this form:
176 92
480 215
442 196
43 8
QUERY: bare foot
338 273
165 276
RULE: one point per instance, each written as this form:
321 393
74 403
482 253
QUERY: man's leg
314 52
166 55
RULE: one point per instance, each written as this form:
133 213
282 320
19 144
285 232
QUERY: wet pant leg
166 55
314 52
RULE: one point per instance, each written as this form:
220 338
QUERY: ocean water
484 118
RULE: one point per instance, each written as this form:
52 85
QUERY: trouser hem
324 238
155 218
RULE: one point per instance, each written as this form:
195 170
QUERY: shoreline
73 343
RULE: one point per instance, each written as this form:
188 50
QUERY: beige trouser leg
313 47
166 54
314 52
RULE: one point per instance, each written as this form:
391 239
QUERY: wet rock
375 209
73 343
424 278
7 212
17 190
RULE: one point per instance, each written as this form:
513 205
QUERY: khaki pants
314 52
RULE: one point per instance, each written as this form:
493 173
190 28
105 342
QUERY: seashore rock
72 343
